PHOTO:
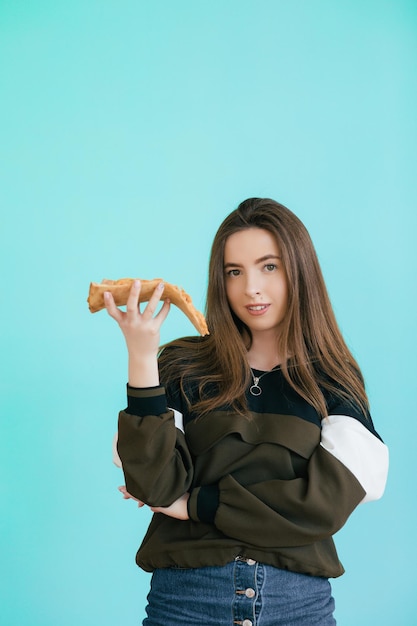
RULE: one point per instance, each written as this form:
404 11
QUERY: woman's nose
252 287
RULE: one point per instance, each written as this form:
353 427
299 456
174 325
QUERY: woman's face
256 284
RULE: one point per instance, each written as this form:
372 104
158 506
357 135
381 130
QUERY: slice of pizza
120 290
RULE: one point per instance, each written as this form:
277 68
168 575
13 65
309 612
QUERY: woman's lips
257 309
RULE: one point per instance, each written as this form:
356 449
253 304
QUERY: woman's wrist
143 372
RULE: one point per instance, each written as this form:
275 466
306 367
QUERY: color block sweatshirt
273 487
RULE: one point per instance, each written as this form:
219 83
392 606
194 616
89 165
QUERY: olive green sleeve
282 513
156 462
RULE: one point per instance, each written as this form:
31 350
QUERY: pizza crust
120 290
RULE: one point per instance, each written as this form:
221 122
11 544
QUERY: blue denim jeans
242 592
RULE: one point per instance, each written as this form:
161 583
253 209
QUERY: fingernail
161 286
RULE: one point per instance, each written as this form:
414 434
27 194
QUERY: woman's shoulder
181 365
183 348
184 359
341 402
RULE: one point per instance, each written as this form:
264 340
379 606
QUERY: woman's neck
263 353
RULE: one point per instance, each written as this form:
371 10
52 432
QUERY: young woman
252 445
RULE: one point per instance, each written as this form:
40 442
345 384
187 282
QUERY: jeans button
246 622
250 561
250 593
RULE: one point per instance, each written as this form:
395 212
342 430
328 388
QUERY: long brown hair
315 354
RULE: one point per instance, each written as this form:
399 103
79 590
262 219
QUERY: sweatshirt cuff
203 503
146 401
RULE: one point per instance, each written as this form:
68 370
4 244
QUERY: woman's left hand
177 509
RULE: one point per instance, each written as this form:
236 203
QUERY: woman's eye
233 273
270 267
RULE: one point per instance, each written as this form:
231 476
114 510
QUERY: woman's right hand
127 496
141 332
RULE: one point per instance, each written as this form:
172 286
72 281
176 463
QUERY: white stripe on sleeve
116 457
359 450
179 422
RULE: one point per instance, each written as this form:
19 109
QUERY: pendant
255 388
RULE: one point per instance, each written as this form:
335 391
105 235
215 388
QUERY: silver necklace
255 388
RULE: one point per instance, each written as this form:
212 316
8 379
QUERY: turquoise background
129 129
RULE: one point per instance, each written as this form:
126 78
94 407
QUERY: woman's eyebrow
267 257
262 259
